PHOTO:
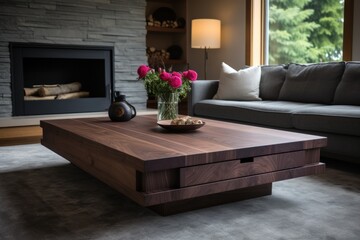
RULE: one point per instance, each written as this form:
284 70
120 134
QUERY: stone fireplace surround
117 24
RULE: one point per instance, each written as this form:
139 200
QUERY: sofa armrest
200 90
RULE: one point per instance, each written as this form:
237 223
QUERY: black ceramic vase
120 110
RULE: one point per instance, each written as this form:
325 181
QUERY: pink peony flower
175 82
191 75
143 70
160 81
177 74
165 76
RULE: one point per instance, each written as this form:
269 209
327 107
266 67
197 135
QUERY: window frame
256 44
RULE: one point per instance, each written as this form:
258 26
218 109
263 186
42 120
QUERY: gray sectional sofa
321 99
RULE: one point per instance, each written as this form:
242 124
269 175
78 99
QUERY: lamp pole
205 62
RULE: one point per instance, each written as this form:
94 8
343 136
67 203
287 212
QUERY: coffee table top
144 145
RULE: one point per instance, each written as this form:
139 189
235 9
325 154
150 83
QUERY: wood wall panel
20 135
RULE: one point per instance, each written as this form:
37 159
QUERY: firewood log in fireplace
46 85
58 97
31 91
72 95
34 90
60 89
37 98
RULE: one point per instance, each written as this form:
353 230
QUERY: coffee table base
212 200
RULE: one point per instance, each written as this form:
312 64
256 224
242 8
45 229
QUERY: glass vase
167 105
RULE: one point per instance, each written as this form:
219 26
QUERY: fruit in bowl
187 120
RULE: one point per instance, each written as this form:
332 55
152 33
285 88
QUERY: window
300 31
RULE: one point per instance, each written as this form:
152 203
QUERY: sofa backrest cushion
272 79
348 90
315 83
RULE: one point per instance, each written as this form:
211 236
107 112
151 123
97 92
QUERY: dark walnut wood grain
171 171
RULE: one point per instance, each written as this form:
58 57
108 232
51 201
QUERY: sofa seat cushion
340 119
270 113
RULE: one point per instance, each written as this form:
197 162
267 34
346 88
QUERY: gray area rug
43 196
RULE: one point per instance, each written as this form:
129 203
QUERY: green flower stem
168 106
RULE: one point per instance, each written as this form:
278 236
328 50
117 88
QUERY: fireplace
53 79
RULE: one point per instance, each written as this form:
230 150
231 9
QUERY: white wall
356 33
232 51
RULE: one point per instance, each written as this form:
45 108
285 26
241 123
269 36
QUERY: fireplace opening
51 73
49 79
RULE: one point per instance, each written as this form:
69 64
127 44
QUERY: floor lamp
206 34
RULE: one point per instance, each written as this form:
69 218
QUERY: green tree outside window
305 31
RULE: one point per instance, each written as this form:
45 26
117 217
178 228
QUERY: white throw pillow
239 85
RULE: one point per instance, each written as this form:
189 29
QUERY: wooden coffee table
174 172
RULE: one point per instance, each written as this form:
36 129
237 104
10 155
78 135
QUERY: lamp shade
205 33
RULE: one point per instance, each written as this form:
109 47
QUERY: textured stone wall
118 23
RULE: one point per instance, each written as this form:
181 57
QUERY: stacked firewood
166 24
55 91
